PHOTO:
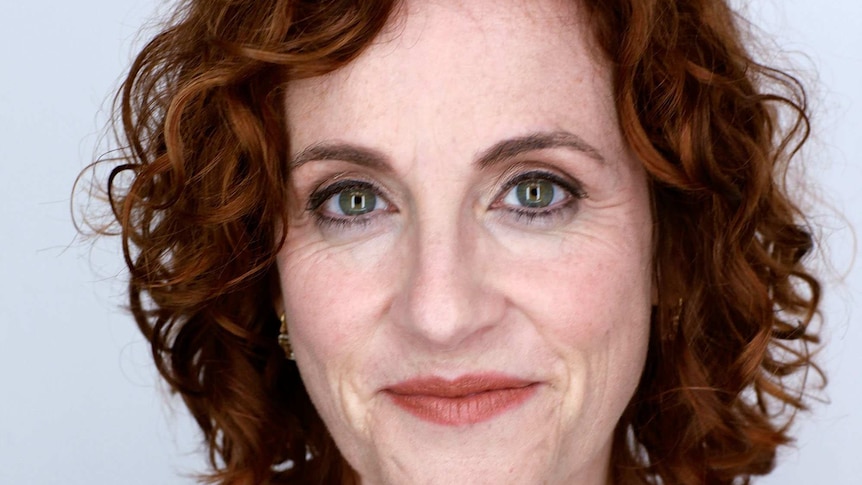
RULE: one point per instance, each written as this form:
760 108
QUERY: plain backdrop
79 399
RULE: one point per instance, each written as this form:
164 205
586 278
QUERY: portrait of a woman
455 242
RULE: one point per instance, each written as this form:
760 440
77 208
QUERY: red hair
201 119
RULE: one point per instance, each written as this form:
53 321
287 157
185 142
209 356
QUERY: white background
79 402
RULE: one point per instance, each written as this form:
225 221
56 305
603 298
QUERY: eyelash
573 189
321 196
521 215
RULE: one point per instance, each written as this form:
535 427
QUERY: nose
446 299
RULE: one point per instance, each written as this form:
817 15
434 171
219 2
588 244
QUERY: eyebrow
513 147
500 151
341 151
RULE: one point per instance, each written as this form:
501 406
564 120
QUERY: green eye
535 193
357 201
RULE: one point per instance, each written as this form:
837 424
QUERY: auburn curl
201 119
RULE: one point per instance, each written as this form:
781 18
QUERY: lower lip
463 410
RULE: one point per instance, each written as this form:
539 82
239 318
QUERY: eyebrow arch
513 147
501 151
341 151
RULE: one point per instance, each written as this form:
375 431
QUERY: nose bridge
442 291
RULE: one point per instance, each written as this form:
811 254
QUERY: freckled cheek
580 295
592 312
331 302
591 309
334 304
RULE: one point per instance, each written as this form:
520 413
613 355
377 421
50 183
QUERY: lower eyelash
530 216
340 223
319 198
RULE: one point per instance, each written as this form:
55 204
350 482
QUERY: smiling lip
467 400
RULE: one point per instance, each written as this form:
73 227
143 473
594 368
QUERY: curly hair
201 119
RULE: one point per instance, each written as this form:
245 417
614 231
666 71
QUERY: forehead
492 63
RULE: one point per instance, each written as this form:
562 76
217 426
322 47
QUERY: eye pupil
357 202
535 193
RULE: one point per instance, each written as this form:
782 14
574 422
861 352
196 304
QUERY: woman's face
468 276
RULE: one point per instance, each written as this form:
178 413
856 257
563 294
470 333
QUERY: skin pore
464 207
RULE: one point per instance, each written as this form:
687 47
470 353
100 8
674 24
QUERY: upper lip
465 385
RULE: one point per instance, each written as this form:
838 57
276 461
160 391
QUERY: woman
499 242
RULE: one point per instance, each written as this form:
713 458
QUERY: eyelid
572 186
321 195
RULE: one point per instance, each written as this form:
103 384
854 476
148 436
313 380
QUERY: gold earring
284 339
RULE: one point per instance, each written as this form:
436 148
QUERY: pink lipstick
466 400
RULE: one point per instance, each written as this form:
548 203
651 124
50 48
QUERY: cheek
588 296
327 302
334 301
595 318
582 297
327 296
328 284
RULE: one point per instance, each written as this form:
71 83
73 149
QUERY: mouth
469 399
